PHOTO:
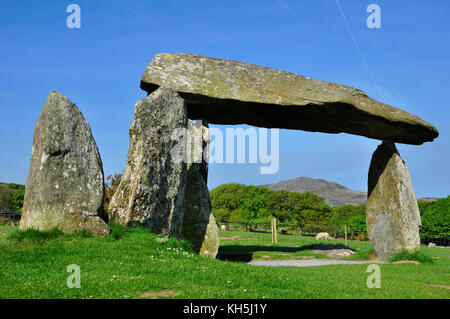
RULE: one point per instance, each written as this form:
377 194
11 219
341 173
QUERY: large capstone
393 218
232 92
199 225
151 190
65 185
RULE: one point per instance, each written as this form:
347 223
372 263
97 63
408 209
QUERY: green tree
236 216
5 198
226 202
357 224
341 215
307 208
436 220
423 205
112 182
227 196
278 205
254 205
18 196
222 215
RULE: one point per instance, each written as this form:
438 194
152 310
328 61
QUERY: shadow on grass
242 253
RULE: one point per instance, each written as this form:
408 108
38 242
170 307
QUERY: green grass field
246 246
132 263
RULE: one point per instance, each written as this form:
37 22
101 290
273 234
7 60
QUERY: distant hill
335 194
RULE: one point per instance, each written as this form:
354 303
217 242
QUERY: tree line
255 205
12 197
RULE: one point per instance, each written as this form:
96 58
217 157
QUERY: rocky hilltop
335 194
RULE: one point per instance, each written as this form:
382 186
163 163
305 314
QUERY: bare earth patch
334 251
159 294
406 262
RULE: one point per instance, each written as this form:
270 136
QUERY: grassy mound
414 255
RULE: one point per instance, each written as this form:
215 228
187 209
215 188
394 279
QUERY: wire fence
335 232
433 240
9 217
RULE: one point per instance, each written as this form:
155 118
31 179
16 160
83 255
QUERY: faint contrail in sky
359 51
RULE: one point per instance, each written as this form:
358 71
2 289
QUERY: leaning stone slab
65 186
393 218
232 92
151 190
199 225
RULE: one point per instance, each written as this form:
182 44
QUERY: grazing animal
325 236
223 228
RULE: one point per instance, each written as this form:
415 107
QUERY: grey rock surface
393 218
199 224
65 185
233 92
334 253
152 188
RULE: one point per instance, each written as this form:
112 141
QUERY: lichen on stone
65 186
232 92
393 218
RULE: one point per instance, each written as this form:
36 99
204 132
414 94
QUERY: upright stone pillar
199 224
151 190
65 186
393 218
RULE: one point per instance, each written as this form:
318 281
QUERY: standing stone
65 185
151 190
199 224
393 218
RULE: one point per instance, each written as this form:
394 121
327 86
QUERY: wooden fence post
274 230
271 228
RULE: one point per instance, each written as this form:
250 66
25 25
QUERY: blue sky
99 66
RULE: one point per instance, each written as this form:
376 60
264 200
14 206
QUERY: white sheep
223 228
325 236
